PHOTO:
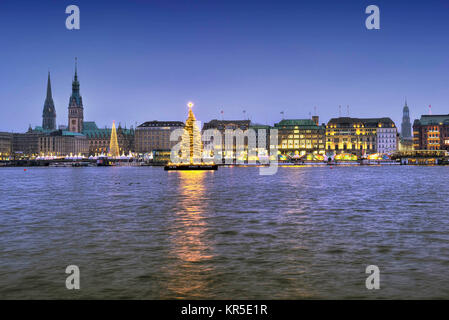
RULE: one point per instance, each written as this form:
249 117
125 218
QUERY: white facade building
387 140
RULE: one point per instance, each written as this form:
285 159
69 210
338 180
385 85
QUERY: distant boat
80 164
60 164
103 162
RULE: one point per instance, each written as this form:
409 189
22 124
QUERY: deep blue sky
144 60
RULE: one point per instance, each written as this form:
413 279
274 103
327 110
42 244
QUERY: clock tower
76 110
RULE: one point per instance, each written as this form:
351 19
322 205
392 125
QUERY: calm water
143 233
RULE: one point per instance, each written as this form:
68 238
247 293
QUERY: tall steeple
49 87
76 110
49 112
406 126
76 68
76 87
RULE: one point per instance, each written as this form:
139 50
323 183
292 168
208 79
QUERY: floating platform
174 167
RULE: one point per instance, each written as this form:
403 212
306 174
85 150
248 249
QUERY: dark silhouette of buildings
406 126
49 113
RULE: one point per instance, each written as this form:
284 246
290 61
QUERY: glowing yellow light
113 145
191 145
190 104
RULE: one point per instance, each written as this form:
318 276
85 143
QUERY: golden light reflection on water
190 246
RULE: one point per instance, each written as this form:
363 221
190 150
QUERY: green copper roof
89 126
296 122
42 130
436 119
90 129
72 134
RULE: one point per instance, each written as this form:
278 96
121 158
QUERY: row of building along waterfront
357 136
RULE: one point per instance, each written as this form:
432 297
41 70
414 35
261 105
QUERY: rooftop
72 134
260 126
223 124
156 123
91 129
367 122
434 119
39 129
302 123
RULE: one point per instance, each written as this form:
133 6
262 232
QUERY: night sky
141 60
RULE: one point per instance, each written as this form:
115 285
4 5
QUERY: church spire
49 87
406 126
49 112
75 83
76 69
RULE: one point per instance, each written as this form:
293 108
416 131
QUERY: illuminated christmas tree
114 150
191 140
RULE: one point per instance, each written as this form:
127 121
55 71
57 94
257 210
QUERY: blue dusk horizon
144 60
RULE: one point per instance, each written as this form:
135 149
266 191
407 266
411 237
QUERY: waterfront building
49 112
70 139
267 128
222 126
5 145
405 145
301 137
387 139
62 143
406 126
99 138
421 157
431 132
76 109
360 136
26 145
155 135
